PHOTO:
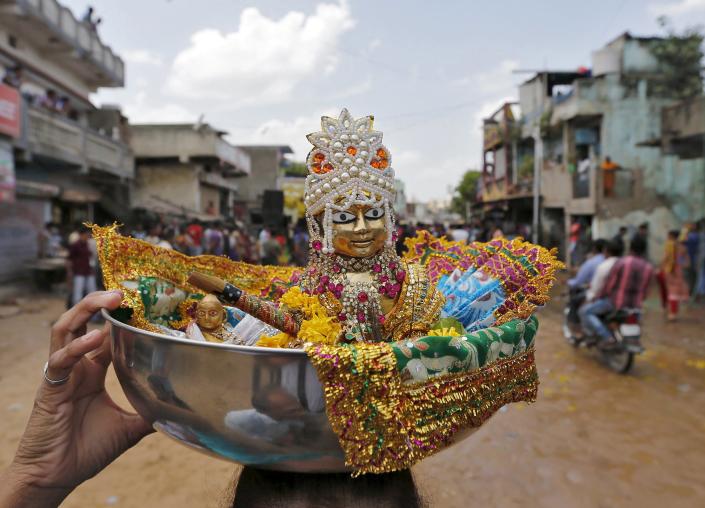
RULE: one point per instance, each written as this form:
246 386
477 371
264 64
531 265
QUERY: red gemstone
317 244
384 279
336 268
377 268
362 296
400 276
381 318
361 317
324 279
342 317
393 265
331 287
320 290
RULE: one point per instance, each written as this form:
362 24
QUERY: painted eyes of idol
347 217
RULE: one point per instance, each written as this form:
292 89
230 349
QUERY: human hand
75 429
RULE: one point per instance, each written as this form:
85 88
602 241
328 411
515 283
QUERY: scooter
624 325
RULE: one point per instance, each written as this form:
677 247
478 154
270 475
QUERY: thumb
135 428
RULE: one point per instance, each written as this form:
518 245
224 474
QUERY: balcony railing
53 136
49 15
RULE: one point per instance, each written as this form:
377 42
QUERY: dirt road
593 439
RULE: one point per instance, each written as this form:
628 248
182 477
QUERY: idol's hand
75 428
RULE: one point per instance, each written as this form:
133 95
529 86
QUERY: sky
265 71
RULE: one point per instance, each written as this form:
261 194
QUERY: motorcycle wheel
619 359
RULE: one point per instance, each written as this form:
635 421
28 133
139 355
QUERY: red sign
9 111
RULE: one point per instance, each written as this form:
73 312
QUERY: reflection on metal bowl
258 407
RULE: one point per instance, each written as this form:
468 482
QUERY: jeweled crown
348 165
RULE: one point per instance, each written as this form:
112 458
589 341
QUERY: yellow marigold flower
278 340
320 330
295 299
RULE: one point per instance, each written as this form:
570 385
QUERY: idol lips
361 243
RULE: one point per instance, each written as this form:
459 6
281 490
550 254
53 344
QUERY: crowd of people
609 281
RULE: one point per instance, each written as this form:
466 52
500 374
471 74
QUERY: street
593 438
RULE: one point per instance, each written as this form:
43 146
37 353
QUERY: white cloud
139 108
284 132
264 59
141 56
677 8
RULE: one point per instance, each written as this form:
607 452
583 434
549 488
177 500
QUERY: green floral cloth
426 357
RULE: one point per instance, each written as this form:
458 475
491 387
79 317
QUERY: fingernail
115 292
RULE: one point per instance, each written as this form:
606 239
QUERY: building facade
589 137
65 161
186 170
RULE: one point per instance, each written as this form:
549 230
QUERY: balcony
217 180
583 101
54 31
52 136
189 142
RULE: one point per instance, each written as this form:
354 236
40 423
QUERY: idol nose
361 226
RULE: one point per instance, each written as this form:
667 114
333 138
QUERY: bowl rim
215 345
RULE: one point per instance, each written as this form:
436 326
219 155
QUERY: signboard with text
9 111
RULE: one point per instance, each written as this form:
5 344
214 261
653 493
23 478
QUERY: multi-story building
268 163
575 126
63 160
186 170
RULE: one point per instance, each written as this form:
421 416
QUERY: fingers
104 354
62 361
72 323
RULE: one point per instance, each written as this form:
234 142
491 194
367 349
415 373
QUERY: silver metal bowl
260 407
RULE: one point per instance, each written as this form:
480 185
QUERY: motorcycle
624 325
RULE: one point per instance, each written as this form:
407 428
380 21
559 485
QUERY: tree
466 191
680 58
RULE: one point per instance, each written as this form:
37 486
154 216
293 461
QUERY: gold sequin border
123 258
384 425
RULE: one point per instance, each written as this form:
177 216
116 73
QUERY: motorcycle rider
613 252
626 287
578 284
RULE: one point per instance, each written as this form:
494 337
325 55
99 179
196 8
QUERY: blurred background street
577 126
593 438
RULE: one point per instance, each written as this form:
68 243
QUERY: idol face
360 231
210 313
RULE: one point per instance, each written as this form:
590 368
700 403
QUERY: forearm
16 491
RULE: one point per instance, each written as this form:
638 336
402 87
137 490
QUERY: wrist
18 490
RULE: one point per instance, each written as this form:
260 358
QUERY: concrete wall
209 194
171 140
20 225
185 141
176 183
264 163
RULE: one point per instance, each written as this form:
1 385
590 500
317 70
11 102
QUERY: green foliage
466 191
680 59
526 167
295 169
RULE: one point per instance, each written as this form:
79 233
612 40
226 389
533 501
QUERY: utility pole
538 165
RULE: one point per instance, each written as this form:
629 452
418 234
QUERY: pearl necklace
361 313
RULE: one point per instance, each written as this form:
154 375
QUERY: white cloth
599 278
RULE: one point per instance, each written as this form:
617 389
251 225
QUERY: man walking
79 267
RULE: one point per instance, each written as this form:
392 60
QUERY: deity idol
353 266
408 350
